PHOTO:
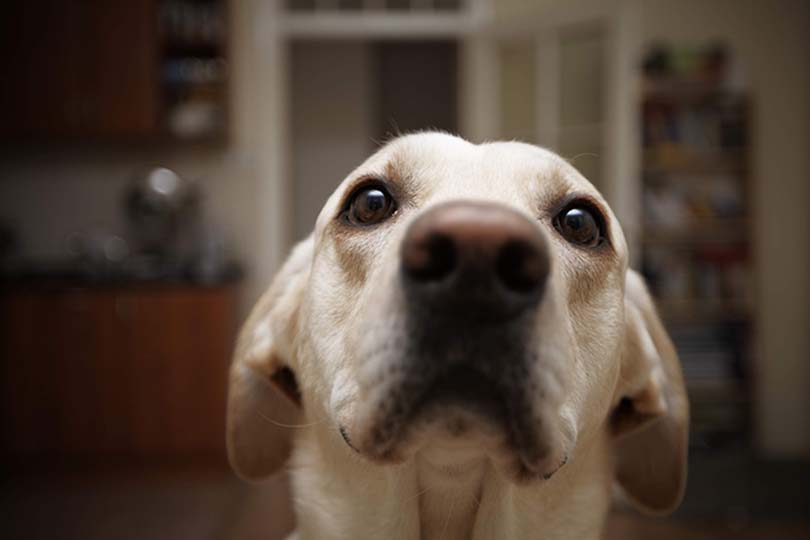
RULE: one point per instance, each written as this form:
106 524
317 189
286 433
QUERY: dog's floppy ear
263 394
651 420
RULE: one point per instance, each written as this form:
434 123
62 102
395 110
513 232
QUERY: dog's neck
451 484
444 496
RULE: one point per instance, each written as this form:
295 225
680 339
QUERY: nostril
432 259
521 267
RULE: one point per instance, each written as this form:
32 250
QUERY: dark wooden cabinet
133 373
120 67
40 82
85 68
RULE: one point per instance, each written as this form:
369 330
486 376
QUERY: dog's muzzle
473 276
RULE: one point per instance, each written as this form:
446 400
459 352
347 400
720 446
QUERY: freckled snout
475 256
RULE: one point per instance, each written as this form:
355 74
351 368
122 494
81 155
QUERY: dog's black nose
473 252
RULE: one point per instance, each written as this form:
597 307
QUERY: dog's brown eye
580 225
370 205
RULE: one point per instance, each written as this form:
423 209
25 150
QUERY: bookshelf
697 230
193 69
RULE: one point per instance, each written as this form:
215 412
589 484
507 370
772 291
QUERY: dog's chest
450 494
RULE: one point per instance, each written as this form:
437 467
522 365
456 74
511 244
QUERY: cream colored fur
620 413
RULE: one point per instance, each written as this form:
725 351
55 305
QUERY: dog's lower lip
548 475
467 387
459 386
346 439
432 404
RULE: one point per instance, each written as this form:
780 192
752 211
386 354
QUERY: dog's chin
465 411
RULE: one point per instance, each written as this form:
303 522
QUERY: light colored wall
53 191
582 90
518 101
332 106
772 41
579 89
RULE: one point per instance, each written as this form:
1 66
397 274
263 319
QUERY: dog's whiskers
292 426
573 159
419 494
449 515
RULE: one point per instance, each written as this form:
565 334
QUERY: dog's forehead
446 162
440 166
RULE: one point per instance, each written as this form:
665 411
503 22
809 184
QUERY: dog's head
467 300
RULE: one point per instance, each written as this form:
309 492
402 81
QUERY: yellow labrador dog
460 351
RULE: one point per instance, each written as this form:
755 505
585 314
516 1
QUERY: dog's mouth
464 387
461 403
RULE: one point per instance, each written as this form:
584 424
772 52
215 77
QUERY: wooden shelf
689 92
682 161
695 168
726 231
180 49
93 71
709 389
698 312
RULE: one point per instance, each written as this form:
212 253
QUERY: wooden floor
213 505
622 526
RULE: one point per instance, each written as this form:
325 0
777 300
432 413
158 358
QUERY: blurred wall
348 97
772 41
330 136
582 100
517 92
416 85
47 192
